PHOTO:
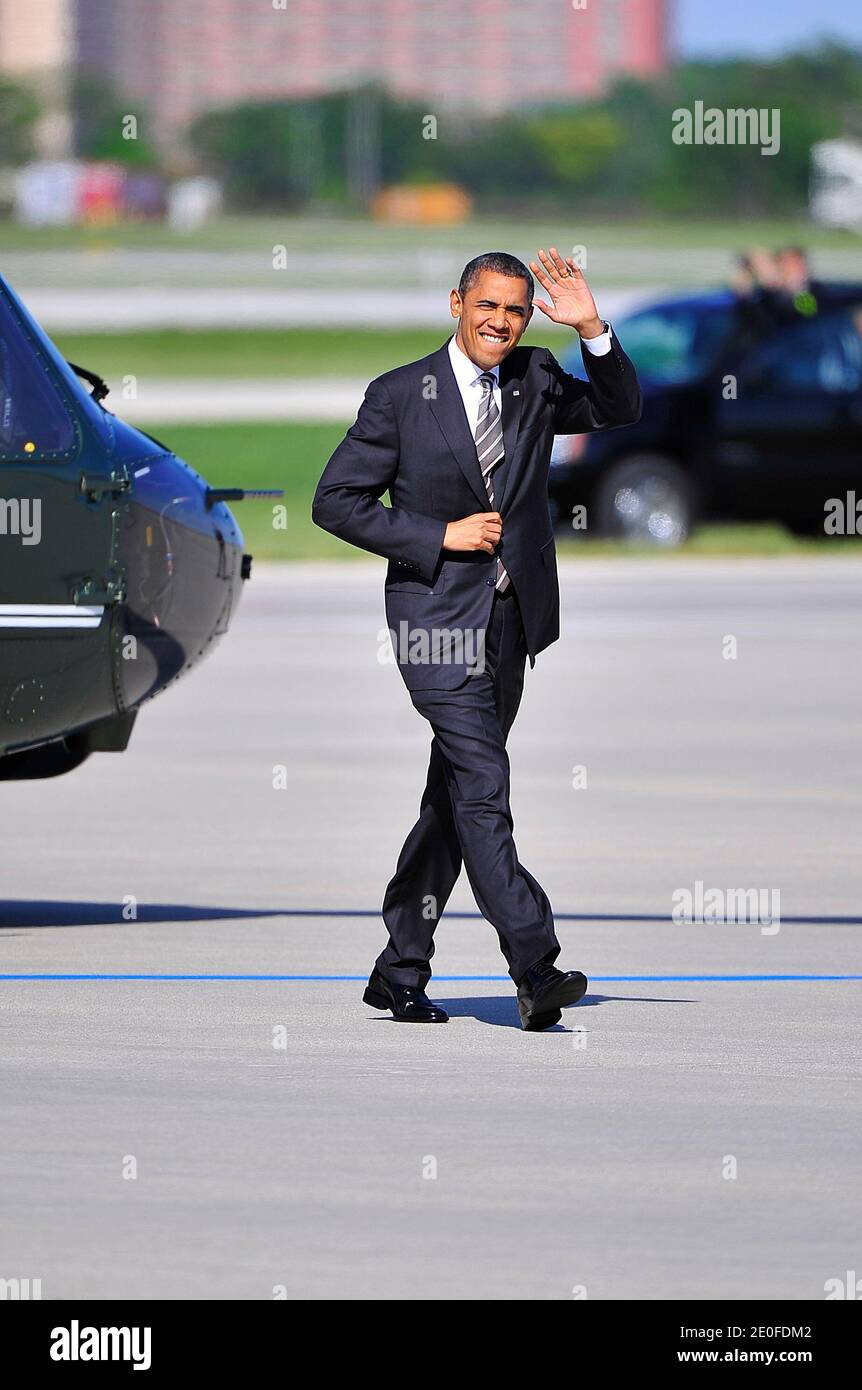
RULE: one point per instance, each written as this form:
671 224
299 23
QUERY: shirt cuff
600 344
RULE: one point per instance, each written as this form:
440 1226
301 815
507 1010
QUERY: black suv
752 411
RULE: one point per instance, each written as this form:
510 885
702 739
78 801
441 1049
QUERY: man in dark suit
462 441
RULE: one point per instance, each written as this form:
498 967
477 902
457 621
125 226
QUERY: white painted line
70 615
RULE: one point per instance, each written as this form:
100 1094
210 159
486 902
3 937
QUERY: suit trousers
464 817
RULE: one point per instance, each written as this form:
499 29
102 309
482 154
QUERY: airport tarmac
197 1104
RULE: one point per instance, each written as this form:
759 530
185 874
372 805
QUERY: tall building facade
471 55
38 46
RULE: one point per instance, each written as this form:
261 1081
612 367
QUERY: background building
38 42
487 56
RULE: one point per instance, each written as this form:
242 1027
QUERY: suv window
675 342
822 354
34 423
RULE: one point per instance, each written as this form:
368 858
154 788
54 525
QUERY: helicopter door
54 536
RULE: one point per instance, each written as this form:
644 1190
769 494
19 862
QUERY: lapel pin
516 393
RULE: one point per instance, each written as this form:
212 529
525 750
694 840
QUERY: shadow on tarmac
501 1011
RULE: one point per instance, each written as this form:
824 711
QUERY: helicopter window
34 423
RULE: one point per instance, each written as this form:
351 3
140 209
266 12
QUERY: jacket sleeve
347 500
611 396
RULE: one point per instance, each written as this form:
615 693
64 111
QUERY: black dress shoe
543 991
409 1003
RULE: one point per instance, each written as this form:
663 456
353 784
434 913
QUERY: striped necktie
489 448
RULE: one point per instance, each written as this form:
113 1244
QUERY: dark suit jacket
412 437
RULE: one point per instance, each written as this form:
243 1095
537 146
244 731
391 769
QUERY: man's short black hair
502 264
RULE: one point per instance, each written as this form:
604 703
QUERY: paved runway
284 1137
205 401
112 310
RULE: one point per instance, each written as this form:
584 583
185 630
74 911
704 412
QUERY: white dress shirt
467 374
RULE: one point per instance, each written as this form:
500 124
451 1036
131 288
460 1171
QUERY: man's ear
529 315
456 304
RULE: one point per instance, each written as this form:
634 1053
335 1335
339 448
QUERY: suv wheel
645 498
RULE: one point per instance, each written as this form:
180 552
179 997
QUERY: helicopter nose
185 563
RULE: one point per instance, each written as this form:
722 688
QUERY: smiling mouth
493 337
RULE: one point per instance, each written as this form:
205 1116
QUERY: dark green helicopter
120 569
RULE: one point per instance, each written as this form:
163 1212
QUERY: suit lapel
512 395
447 408
448 411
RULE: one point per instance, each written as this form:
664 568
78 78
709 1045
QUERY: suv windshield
34 423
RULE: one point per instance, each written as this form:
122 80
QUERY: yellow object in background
425 203
29 447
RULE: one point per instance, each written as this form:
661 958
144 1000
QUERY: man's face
794 269
493 314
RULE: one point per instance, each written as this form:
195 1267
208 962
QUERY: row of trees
19 112
97 113
615 155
